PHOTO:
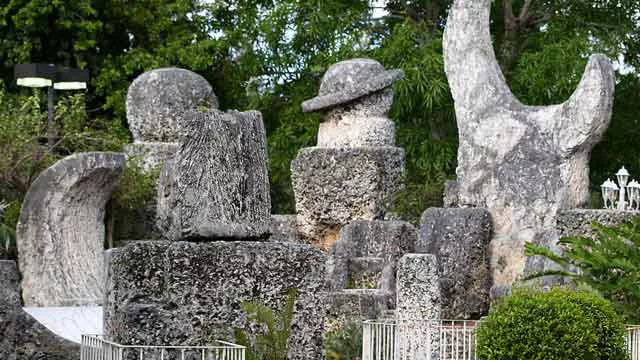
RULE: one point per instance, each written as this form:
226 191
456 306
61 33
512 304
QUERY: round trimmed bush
560 324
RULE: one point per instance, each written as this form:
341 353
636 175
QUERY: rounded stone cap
158 99
349 80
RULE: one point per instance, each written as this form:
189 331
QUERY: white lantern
634 195
609 194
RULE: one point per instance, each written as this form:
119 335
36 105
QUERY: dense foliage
344 343
556 325
608 263
269 55
273 342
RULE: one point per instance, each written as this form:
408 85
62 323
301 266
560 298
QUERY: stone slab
459 238
69 322
335 186
188 293
217 186
61 232
284 228
577 222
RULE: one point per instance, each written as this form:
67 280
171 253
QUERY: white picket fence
437 340
95 347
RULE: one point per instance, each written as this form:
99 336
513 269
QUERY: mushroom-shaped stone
217 186
157 101
355 97
60 235
523 163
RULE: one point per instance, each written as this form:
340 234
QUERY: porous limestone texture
522 163
334 186
158 100
217 185
368 247
61 232
459 238
284 228
418 301
162 292
22 337
578 222
362 266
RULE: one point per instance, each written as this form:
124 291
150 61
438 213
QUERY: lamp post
623 177
634 195
53 78
609 193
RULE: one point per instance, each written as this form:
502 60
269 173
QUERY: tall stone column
355 170
522 163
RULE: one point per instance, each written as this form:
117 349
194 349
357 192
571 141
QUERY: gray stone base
578 222
152 154
334 186
21 336
190 293
459 238
283 228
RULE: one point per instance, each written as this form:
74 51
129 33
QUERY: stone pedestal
61 232
186 293
334 186
418 307
578 222
459 238
217 186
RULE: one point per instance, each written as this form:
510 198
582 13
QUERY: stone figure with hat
355 169
355 97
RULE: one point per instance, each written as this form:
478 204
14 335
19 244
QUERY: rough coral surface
523 163
459 238
190 293
217 186
334 186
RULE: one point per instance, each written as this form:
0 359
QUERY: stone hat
350 80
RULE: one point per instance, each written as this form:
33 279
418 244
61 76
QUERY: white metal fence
437 340
95 347
418 340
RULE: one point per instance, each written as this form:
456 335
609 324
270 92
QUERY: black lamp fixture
54 78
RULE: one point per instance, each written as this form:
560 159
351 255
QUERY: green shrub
561 324
608 263
344 343
273 343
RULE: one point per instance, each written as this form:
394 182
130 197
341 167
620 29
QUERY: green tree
608 263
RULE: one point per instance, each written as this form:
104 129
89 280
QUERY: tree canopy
270 55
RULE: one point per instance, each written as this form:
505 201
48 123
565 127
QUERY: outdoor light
53 78
623 177
35 75
71 79
634 195
609 193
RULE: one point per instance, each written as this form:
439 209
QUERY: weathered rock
22 337
217 186
360 239
523 163
189 293
158 100
459 238
418 301
350 80
284 228
335 186
578 222
60 235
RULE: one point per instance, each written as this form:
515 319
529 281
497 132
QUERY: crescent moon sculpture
523 163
